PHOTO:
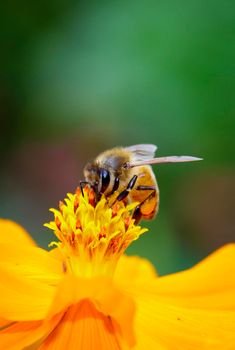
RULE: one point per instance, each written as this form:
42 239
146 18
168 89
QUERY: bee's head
92 173
98 177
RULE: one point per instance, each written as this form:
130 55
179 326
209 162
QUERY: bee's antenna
127 165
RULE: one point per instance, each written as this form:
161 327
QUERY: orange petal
83 327
28 279
11 232
191 310
3 322
104 295
210 284
22 299
214 274
134 268
31 263
20 335
161 325
56 253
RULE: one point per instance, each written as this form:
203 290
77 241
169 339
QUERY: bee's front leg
82 183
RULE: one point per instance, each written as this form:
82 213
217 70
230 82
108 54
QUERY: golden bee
128 171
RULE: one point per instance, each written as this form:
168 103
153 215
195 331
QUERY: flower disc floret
93 234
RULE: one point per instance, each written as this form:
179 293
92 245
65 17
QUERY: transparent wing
142 152
170 159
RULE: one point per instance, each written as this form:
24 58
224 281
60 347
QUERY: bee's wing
142 152
170 159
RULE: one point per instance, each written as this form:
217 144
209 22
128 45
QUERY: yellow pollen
93 234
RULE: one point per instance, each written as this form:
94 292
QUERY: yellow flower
86 294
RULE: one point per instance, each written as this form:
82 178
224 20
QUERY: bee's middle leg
127 190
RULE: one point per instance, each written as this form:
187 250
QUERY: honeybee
128 171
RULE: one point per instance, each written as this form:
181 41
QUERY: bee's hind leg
137 215
146 188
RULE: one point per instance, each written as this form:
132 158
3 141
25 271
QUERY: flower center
93 235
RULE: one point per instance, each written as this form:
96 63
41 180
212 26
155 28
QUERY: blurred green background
81 77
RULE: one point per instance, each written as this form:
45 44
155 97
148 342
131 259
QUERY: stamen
57 222
92 198
61 206
76 204
115 209
127 222
102 233
78 224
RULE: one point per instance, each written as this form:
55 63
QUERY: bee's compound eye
105 179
